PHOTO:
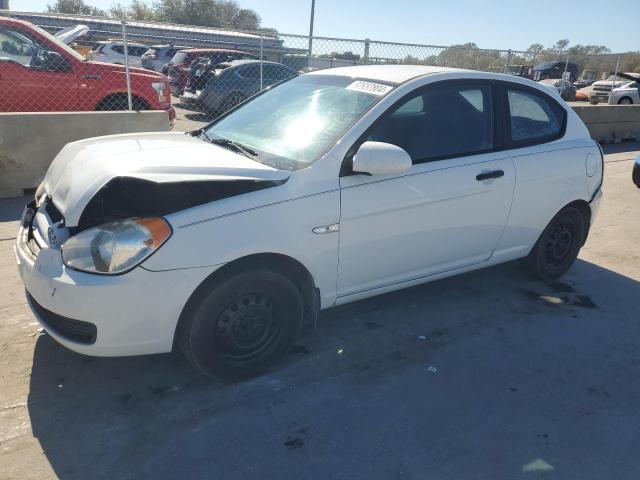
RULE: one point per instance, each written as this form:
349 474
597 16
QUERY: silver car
158 57
625 95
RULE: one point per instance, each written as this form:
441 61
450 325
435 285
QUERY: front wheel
559 245
625 101
242 325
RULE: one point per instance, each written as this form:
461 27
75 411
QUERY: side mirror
377 158
55 62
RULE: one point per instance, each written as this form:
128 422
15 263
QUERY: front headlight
161 90
115 247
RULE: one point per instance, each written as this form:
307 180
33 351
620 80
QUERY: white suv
330 187
113 52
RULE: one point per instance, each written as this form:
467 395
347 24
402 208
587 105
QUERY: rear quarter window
533 117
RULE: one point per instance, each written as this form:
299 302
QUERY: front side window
443 121
533 118
16 46
291 125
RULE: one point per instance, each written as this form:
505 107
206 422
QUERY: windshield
60 44
293 124
179 57
544 65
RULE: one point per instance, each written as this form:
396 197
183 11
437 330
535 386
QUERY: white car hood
69 34
82 168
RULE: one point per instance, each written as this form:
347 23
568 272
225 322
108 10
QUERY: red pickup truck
40 73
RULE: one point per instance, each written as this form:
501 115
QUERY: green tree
76 7
137 10
209 13
560 45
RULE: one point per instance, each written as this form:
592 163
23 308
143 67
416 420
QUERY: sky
500 24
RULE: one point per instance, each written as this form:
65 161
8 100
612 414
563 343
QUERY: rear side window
252 71
442 122
533 118
137 51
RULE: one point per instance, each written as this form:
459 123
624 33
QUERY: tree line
205 13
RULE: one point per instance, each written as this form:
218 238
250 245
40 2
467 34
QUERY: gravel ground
488 375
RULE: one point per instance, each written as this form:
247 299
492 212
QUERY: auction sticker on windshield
369 87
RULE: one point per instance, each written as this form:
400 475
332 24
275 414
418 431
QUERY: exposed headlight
160 89
115 247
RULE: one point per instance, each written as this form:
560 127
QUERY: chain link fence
118 65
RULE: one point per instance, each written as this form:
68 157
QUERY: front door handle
489 175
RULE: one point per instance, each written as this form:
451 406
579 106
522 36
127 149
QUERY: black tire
558 246
625 101
594 101
236 98
238 327
119 101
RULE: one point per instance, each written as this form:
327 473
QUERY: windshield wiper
232 145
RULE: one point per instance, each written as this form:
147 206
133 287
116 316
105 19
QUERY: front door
27 82
447 212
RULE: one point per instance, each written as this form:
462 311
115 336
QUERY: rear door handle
489 175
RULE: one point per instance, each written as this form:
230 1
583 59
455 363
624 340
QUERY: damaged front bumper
104 315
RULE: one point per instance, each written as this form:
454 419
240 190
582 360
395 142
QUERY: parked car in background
565 88
583 83
113 52
523 71
231 83
179 68
157 57
635 175
601 89
582 94
39 73
554 69
328 188
625 95
70 34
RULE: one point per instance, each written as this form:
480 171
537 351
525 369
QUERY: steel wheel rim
559 244
247 327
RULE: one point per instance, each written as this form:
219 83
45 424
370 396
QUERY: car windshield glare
291 125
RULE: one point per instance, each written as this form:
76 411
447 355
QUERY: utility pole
313 8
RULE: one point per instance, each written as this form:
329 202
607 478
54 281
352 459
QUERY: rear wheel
243 325
232 100
559 245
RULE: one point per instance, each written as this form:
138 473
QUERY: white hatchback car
330 187
113 52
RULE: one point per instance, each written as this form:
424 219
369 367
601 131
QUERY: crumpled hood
82 168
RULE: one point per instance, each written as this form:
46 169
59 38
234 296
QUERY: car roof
386 73
212 50
119 42
250 61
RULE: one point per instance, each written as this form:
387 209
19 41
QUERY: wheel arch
585 210
122 96
288 266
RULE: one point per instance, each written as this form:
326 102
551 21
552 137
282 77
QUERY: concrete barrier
29 141
611 123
